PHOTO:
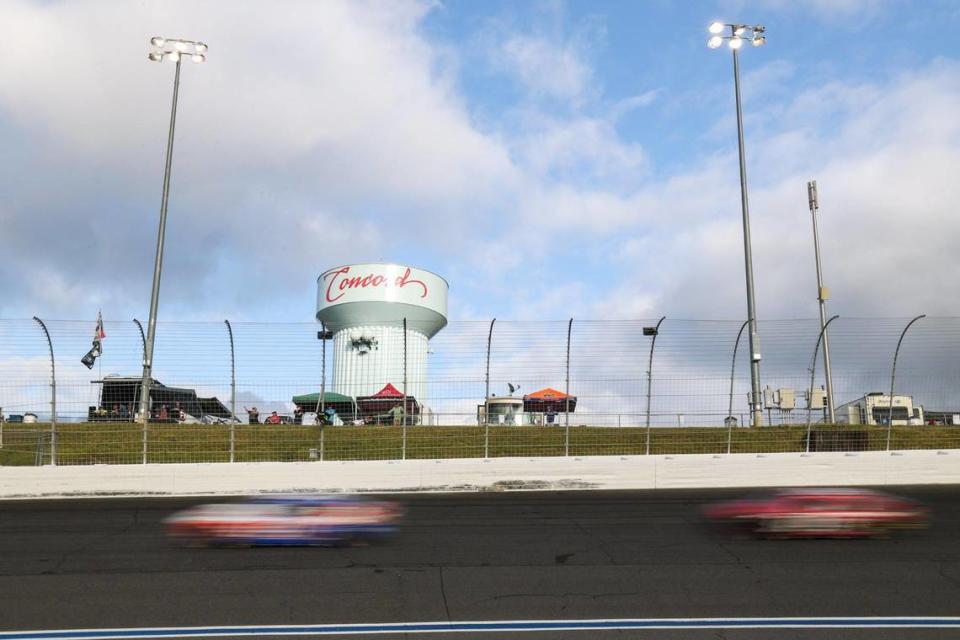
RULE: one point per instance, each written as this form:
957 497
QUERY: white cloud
887 195
546 68
308 123
824 10
581 150
342 135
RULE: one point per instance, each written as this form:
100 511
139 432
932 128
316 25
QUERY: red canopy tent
549 400
376 408
388 391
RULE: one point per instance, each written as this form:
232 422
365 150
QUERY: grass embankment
123 443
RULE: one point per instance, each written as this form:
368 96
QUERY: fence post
566 412
53 395
893 374
651 331
233 393
813 369
733 366
146 417
321 401
486 397
404 446
143 339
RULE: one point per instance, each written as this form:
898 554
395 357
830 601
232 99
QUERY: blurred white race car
286 520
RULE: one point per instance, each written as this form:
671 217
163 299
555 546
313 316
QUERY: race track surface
477 557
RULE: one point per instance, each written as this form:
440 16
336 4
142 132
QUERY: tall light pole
737 35
173 50
822 294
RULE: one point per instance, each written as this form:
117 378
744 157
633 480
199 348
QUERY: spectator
164 414
551 415
273 418
397 413
253 415
298 415
124 414
177 413
329 415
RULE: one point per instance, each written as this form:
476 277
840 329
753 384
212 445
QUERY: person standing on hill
253 415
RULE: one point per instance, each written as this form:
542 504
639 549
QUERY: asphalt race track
479 557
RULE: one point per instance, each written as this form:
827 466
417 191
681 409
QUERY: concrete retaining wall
499 474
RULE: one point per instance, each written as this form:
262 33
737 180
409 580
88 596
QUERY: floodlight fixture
737 34
173 49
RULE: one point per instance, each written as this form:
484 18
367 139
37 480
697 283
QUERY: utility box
769 399
787 399
817 399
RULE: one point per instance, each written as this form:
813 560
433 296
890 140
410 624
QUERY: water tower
364 306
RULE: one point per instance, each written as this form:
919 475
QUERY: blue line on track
518 625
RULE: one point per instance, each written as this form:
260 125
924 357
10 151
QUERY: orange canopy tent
547 400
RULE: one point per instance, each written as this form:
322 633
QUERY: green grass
123 443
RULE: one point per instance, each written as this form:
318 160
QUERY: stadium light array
174 49
738 33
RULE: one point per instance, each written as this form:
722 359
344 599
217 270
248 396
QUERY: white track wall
499 474
356 373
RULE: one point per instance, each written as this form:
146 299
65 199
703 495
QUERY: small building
875 409
502 410
945 418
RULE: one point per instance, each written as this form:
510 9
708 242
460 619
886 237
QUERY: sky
549 159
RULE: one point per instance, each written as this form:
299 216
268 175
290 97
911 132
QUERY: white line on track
490 625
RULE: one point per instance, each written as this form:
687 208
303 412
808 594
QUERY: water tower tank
364 306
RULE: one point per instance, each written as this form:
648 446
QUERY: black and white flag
97 349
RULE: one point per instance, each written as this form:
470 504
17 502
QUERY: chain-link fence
476 389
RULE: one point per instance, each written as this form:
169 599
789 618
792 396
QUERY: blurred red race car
286 520
834 513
